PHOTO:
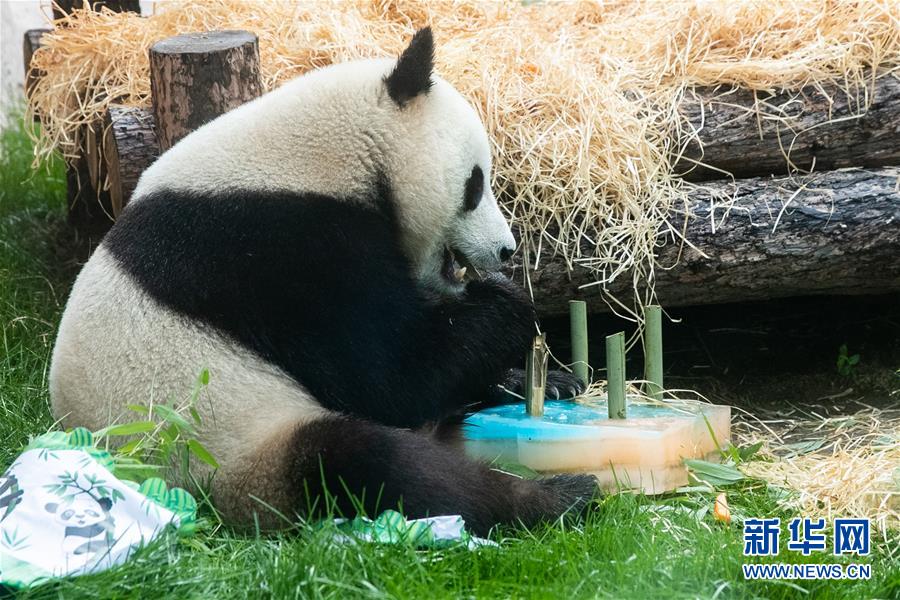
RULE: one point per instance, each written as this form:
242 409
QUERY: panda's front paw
506 302
561 385
496 285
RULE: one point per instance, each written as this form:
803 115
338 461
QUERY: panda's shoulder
213 223
179 245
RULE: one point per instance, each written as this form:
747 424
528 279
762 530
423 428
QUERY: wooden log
822 128
30 45
129 147
88 202
89 206
836 233
196 77
61 8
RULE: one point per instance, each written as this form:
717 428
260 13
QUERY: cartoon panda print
88 524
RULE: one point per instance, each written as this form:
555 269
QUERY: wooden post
129 147
653 352
30 44
88 201
536 377
579 338
615 375
196 77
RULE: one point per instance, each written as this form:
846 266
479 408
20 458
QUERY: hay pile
580 99
838 466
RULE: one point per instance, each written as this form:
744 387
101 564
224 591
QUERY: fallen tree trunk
836 233
749 134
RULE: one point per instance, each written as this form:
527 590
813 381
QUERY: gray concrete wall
16 16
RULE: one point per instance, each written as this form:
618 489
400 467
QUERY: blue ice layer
563 419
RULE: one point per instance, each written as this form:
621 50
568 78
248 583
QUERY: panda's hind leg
380 467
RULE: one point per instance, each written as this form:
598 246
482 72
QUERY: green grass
33 285
627 547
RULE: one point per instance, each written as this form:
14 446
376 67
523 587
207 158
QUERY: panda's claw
561 385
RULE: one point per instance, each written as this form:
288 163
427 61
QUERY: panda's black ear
105 503
412 75
51 507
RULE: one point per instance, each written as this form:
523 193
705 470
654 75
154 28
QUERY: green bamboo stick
615 375
536 377
653 352
579 336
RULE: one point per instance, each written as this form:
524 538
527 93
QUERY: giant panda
316 250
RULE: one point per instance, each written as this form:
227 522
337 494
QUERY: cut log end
204 42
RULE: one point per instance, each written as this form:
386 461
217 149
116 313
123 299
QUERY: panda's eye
474 189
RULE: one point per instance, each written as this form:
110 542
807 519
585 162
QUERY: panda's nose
506 253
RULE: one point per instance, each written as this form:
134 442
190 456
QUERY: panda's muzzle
455 266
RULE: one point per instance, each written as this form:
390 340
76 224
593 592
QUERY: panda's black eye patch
474 189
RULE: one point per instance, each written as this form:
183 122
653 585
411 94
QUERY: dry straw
846 465
580 99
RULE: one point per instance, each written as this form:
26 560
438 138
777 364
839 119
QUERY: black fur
385 467
560 384
474 189
321 288
412 74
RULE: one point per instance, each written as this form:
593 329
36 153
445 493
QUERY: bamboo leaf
173 417
198 450
130 446
748 452
131 428
806 447
713 473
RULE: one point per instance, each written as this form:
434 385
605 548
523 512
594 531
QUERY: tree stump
129 147
196 77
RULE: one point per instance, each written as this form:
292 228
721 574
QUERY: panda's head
438 161
341 130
